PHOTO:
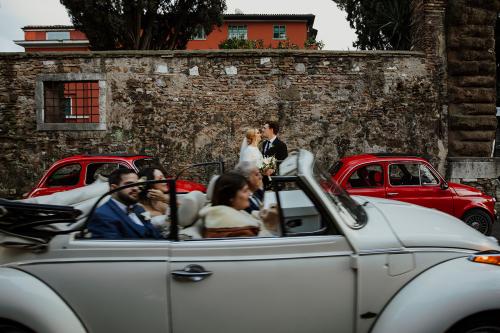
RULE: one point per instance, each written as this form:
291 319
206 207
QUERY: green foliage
143 24
240 43
313 44
286 44
379 24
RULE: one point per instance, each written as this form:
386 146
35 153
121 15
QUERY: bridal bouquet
268 163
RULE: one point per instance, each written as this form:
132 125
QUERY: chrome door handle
392 193
193 273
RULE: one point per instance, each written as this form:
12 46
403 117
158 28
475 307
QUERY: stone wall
472 76
187 107
479 172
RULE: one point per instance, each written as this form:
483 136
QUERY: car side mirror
444 186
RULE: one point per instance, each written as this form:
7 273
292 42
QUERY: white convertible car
340 264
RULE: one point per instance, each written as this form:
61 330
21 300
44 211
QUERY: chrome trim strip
414 250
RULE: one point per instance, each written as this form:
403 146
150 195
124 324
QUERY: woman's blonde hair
251 134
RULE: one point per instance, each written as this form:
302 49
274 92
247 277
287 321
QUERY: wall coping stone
473 167
473 159
211 53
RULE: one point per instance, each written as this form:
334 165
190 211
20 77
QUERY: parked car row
398 177
338 264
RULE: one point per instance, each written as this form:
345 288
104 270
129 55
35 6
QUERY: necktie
266 147
255 200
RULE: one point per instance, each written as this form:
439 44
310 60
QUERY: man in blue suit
121 217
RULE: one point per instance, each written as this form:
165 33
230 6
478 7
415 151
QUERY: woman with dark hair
226 216
154 199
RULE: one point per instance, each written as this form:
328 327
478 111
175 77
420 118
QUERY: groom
273 146
121 217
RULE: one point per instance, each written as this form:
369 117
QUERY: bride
249 148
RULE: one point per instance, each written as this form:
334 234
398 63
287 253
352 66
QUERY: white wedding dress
252 154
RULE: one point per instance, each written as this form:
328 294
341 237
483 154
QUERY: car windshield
340 197
147 162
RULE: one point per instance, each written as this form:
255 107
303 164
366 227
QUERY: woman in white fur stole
226 216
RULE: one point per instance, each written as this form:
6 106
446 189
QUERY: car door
112 285
366 179
303 283
418 183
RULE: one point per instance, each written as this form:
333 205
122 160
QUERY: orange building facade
271 29
53 38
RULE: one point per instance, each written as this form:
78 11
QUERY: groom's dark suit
277 149
111 222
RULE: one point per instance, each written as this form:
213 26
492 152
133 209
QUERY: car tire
479 220
483 323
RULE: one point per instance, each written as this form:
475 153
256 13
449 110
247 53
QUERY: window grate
71 102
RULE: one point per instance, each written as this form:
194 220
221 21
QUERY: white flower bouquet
268 163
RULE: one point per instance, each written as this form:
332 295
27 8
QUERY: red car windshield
147 162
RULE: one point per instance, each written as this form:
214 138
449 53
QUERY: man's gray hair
245 168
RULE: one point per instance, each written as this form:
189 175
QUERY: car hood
417 226
464 190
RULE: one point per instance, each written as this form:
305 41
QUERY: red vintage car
414 180
77 171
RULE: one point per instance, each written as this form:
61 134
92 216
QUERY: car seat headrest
189 207
211 186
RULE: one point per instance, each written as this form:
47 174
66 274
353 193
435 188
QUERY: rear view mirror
444 186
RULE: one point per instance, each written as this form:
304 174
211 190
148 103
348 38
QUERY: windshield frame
339 197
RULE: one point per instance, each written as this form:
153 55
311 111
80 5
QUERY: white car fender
441 296
28 301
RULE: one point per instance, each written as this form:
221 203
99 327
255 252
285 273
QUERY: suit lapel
127 220
139 210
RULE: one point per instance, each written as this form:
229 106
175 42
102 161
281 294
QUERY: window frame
432 173
69 77
49 177
328 226
279 26
200 34
237 26
366 165
118 163
57 32
419 174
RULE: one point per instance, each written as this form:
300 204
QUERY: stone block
474 81
485 109
466 148
473 122
473 136
472 95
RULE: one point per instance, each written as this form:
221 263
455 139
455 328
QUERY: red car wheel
478 220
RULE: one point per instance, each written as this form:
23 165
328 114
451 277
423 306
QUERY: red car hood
465 191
